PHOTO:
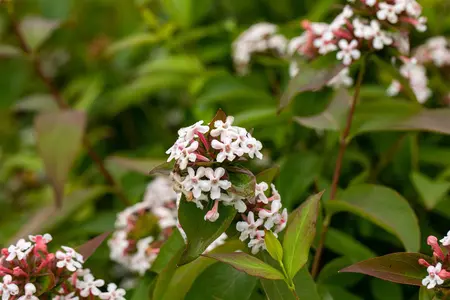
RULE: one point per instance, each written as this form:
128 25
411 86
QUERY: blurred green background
142 69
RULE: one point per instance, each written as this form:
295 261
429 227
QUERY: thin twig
63 105
338 167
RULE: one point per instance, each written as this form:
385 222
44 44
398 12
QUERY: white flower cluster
436 51
418 80
19 278
437 273
223 143
271 218
160 201
259 38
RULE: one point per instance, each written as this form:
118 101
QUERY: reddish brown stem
63 105
338 168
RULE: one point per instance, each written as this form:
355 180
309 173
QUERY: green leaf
382 206
297 173
222 281
36 103
330 273
182 64
168 250
308 79
186 12
344 244
163 281
185 276
36 30
396 267
140 165
248 264
268 175
200 233
334 292
7 51
426 294
243 182
305 287
59 138
382 290
143 289
133 41
431 191
300 234
273 246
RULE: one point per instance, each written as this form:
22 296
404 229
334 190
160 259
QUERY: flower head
433 278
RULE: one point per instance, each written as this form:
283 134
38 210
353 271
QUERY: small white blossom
370 2
325 43
7 288
380 37
229 149
388 12
223 129
260 188
70 296
193 181
71 260
349 51
113 293
433 278
189 133
394 89
248 228
252 147
446 240
19 250
270 215
30 289
341 80
215 183
234 200
90 286
258 243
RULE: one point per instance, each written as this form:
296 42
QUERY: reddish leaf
88 248
220 115
59 138
396 267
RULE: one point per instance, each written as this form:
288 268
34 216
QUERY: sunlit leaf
59 138
248 264
300 234
273 246
431 191
396 267
37 30
382 206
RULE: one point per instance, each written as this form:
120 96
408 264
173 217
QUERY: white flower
46 238
7 288
167 217
380 37
223 129
293 69
118 244
411 7
342 18
361 30
30 289
388 12
233 200
248 228
278 43
218 242
113 293
281 221
341 80
90 286
270 215
215 183
433 278
325 42
70 260
193 181
260 188
19 250
394 89
189 133
348 51
252 147
229 149
446 240
421 24
159 191
70 296
295 44
257 243
370 2
183 152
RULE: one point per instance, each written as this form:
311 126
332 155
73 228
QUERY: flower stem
288 281
337 170
63 105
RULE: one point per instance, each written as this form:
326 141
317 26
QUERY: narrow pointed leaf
300 234
220 116
59 138
139 165
200 233
37 30
396 267
248 264
168 250
273 246
268 175
431 191
91 246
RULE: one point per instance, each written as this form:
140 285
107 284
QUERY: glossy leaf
143 166
431 191
248 264
220 116
329 274
268 175
143 288
273 246
384 207
396 267
201 233
344 244
59 138
163 281
308 79
37 30
168 250
299 235
385 290
88 248
222 281
426 294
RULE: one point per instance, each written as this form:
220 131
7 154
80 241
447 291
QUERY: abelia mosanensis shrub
143 228
439 269
208 162
28 271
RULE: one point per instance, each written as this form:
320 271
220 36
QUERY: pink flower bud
437 251
17 271
424 263
444 274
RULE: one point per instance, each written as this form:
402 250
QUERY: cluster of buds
30 272
207 169
269 213
435 52
259 38
440 270
141 229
